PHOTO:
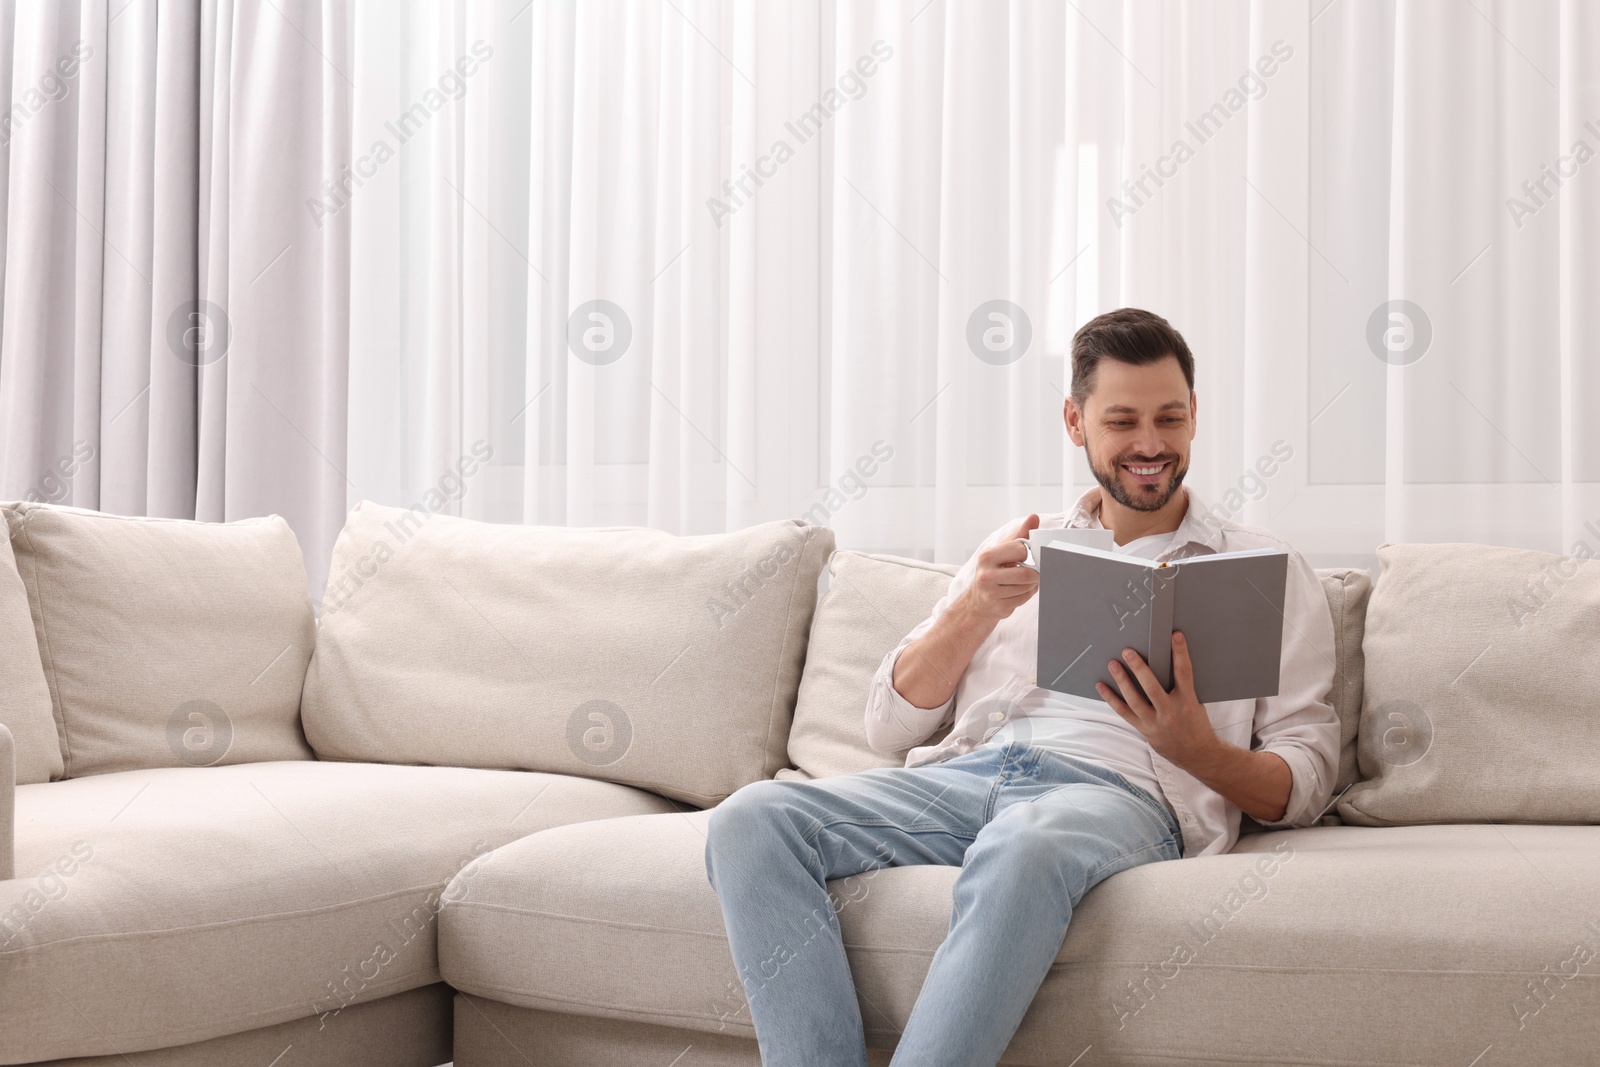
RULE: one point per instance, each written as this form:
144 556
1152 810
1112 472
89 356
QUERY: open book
1094 603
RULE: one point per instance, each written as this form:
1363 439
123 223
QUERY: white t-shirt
1084 727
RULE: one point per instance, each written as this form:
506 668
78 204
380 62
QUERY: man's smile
1147 473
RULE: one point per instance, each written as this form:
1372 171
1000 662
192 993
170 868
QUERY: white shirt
1084 727
1299 724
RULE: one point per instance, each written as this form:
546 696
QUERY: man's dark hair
1128 335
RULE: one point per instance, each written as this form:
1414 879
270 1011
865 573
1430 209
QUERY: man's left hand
1175 723
1177 726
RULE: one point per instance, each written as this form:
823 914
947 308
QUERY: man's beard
1111 482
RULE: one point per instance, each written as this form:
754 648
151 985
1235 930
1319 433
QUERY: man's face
1136 429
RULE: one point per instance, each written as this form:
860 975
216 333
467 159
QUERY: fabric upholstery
1348 590
871 603
175 905
8 798
166 643
24 695
1367 945
1482 698
874 600
491 1034
627 654
410 1029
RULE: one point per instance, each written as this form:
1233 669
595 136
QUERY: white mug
1102 539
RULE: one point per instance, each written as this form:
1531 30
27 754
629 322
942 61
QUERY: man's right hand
928 669
1001 585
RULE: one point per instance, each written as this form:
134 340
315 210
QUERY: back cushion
1348 590
627 654
166 643
874 601
24 696
1481 697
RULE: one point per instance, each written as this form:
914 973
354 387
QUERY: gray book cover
1229 606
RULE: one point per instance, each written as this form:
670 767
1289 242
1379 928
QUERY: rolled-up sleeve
894 724
1300 724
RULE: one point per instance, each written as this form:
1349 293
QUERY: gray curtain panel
173 336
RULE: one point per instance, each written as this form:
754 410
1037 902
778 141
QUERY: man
1036 795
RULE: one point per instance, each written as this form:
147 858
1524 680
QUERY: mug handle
1031 562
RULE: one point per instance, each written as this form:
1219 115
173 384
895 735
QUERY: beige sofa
463 814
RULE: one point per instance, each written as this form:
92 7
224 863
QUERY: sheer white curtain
820 331
172 330
699 264
1440 139
569 161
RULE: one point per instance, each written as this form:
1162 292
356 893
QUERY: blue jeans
1031 830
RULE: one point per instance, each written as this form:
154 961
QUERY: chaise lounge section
190 880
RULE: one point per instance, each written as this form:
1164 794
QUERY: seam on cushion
788 624
58 710
584 920
90 513
904 561
1471 972
620 1009
128 935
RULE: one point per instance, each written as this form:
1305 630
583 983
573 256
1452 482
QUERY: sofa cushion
616 920
1348 590
169 906
873 601
25 706
166 643
1481 688
628 654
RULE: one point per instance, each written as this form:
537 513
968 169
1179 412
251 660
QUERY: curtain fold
173 328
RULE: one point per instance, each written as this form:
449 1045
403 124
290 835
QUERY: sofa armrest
8 802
